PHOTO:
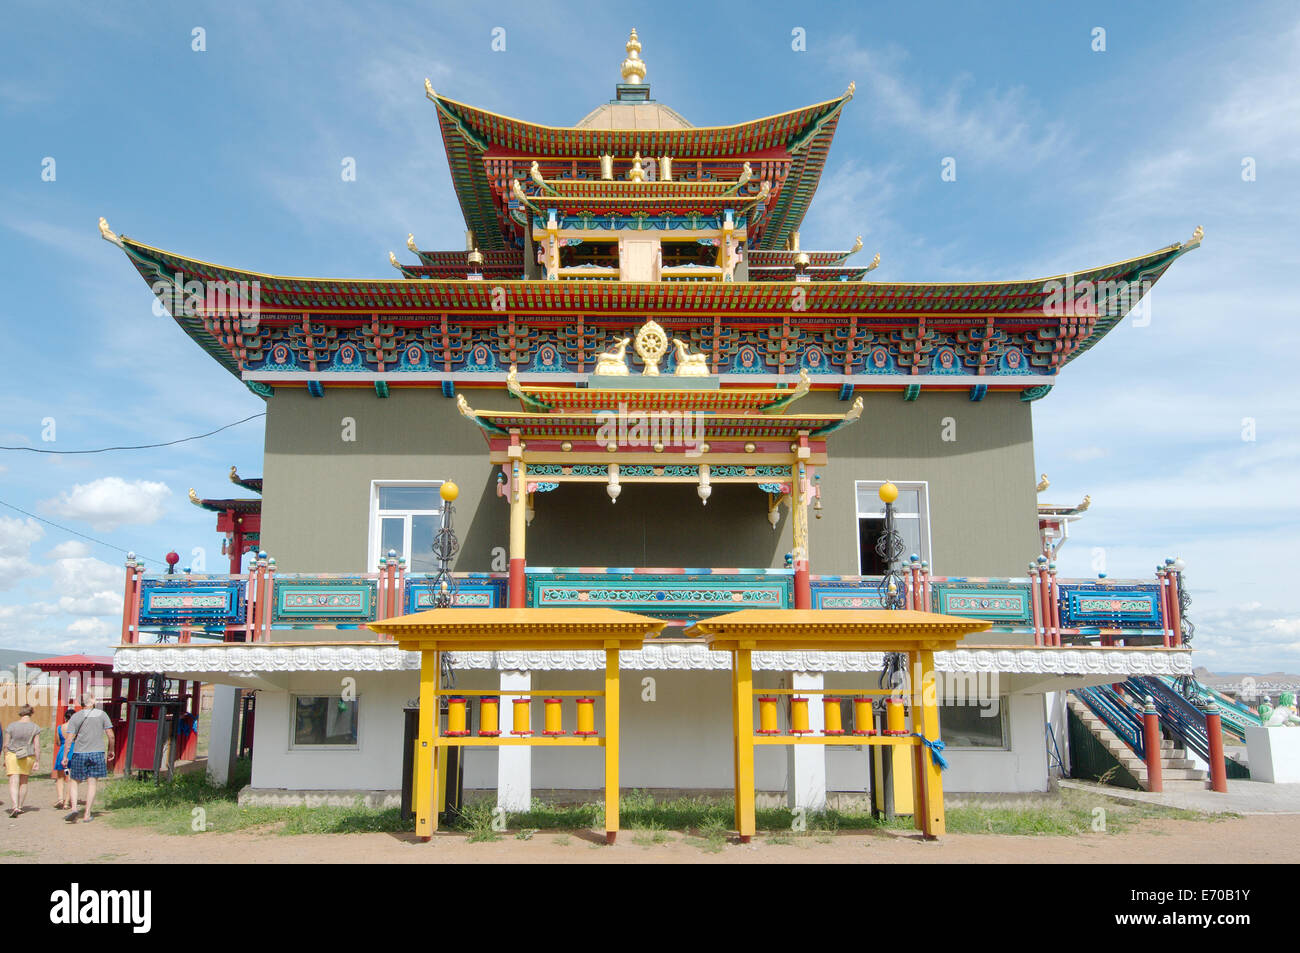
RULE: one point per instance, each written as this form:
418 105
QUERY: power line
143 446
98 542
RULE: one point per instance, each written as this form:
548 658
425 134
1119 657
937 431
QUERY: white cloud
69 550
16 539
110 502
89 627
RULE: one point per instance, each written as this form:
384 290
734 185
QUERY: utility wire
98 542
143 446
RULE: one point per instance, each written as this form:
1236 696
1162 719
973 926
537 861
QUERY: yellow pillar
611 741
925 720
744 677
735 737
425 791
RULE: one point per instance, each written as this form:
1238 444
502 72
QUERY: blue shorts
91 764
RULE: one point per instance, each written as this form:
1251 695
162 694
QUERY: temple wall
680 740
317 487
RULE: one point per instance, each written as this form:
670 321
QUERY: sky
1080 134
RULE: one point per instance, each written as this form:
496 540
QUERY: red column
236 549
127 621
1054 603
1154 751
1214 732
1175 606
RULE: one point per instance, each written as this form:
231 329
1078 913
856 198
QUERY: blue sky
1066 158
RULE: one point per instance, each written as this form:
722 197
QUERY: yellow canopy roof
505 629
838 630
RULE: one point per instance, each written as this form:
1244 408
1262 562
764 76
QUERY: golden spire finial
634 67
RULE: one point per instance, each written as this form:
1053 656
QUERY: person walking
91 733
22 756
62 783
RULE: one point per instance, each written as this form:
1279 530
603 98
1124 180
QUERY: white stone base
1274 754
280 797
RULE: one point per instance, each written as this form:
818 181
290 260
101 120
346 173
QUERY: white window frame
374 535
924 516
293 723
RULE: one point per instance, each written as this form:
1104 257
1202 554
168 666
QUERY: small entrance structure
916 634
501 630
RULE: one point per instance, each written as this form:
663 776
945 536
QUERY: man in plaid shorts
90 731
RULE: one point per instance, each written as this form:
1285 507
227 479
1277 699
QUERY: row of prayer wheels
490 717
834 725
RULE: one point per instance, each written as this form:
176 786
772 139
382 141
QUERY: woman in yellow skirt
22 756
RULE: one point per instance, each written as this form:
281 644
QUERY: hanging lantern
831 713
522 723
489 716
456 721
554 716
767 716
863 719
586 718
799 716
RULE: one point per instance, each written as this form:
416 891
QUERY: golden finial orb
888 493
634 67
449 491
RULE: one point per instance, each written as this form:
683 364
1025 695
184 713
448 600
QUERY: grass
190 804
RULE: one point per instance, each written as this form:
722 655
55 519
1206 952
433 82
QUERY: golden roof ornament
636 173
392 260
688 364
614 363
1043 482
428 88
107 233
651 344
634 69
410 242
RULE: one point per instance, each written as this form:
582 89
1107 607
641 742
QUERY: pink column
1036 603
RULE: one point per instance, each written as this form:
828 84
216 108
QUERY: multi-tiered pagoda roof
577 235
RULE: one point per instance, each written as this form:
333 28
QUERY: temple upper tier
577 234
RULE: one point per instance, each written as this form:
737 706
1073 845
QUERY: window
974 726
323 721
404 517
911 519
960 726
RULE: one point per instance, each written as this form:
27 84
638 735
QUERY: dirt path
42 836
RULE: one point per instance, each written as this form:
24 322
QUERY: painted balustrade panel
473 591
845 593
1133 606
1006 603
176 599
688 595
340 600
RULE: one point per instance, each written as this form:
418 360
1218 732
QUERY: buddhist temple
633 388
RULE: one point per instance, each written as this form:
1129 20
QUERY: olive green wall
317 487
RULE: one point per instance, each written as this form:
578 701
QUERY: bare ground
41 835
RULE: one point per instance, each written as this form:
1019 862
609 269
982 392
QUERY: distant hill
11 657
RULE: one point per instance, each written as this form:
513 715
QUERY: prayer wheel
894 718
586 718
554 716
863 717
456 720
767 716
523 725
489 716
831 711
799 716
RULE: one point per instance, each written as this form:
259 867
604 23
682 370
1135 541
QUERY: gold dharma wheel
651 346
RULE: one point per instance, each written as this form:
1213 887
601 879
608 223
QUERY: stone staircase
1177 769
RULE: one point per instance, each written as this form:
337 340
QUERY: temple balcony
262 605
